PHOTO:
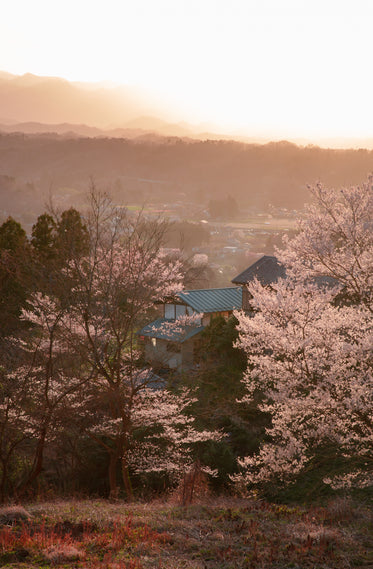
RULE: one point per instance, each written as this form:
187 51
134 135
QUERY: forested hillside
34 166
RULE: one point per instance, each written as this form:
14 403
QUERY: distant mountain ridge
51 100
138 127
68 129
36 105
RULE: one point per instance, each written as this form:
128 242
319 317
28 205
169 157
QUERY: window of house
180 310
172 311
169 311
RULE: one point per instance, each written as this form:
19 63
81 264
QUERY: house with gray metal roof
268 270
171 339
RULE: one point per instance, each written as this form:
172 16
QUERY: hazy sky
281 68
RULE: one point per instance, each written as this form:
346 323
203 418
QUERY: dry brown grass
216 534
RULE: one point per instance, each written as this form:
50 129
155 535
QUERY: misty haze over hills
34 104
169 169
56 136
53 100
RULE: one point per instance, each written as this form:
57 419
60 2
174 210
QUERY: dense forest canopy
32 167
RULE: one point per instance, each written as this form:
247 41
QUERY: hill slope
173 168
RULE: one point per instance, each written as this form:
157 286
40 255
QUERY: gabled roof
212 299
170 330
267 270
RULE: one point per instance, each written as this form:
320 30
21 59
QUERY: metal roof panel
213 299
267 270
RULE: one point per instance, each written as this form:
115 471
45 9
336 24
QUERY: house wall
174 355
246 297
170 354
206 320
187 353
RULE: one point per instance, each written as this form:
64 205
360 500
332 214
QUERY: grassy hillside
219 534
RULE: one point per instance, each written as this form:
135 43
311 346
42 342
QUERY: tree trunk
4 475
114 489
126 478
38 458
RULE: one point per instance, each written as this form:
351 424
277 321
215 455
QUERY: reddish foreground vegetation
221 534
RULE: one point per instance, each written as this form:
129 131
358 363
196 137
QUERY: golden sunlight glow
293 68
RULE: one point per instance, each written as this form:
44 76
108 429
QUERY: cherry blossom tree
82 361
108 295
38 388
161 436
309 342
115 287
15 429
51 379
336 240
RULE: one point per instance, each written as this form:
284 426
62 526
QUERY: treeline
27 265
173 168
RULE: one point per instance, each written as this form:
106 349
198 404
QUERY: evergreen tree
72 239
44 233
14 273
